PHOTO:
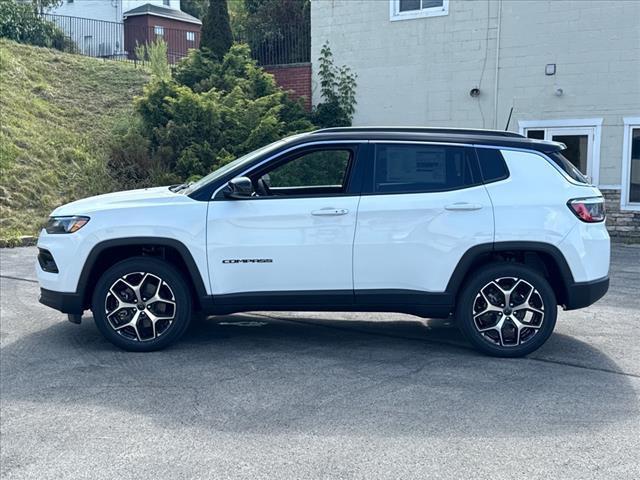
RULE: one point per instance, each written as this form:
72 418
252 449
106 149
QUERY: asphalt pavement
333 395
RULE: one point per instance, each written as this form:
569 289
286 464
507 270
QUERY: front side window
422 168
191 36
158 30
408 9
315 172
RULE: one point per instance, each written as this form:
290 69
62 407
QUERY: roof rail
446 131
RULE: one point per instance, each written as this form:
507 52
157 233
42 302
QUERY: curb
24 241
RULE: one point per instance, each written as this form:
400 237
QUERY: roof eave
195 21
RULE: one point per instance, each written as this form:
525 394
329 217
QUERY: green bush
156 54
338 90
19 22
208 114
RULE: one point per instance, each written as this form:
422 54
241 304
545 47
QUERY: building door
579 142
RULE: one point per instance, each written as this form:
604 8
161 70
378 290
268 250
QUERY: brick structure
148 23
622 226
295 78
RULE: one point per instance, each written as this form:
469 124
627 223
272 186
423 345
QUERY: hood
110 201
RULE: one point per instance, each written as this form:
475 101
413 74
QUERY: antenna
508 120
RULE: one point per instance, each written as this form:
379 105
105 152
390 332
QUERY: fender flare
471 255
194 272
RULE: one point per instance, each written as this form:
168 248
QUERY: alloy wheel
508 312
140 306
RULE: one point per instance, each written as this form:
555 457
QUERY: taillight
590 210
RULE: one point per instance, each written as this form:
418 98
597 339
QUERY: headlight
65 224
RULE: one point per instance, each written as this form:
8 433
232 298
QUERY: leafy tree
216 31
197 8
41 6
270 24
19 22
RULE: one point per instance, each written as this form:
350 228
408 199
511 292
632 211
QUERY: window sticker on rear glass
409 165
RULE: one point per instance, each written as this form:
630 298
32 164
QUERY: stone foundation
623 226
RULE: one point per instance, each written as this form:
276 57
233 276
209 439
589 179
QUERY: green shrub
210 113
19 22
338 90
156 54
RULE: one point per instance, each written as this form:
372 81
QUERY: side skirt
424 304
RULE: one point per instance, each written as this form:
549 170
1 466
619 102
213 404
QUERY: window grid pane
634 173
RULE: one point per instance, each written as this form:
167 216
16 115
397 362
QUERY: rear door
424 206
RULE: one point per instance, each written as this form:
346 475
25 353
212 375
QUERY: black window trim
506 167
352 187
369 181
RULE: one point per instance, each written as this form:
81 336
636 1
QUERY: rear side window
492 165
568 167
422 168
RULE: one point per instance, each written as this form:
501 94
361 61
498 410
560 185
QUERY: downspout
497 78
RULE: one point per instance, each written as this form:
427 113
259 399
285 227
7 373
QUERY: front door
294 238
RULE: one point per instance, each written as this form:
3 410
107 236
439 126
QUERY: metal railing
288 44
118 40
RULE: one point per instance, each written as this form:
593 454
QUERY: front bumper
62 301
583 294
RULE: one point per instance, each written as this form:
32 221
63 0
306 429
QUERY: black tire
178 290
510 341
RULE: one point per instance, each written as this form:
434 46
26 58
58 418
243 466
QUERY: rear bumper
62 301
583 294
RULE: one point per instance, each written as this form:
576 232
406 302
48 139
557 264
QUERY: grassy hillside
57 112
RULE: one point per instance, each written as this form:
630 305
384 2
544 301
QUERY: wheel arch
109 252
543 257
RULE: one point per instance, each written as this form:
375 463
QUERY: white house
107 10
95 26
569 69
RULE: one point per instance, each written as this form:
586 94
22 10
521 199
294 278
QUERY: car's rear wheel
507 310
141 304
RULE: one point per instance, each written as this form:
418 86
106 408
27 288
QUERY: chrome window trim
540 154
284 152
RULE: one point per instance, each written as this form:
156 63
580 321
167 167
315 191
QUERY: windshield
238 162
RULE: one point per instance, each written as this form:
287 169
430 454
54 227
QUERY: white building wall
108 10
420 71
81 20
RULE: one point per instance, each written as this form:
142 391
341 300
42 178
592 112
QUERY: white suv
489 227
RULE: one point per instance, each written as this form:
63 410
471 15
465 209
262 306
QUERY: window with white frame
191 36
158 30
581 137
409 9
630 194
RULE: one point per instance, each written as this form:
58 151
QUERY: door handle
463 206
330 212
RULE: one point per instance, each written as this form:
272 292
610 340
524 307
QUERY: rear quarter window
567 167
492 165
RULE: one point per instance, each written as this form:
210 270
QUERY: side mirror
239 188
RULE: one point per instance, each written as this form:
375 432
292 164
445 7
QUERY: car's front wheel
141 304
507 310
